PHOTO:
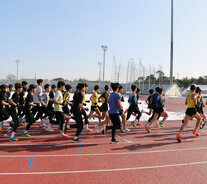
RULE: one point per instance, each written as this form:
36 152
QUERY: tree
11 77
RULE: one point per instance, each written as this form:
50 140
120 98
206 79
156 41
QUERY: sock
68 126
25 132
135 119
13 135
86 126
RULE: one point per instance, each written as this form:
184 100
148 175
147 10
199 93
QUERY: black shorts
121 112
66 110
150 106
103 108
191 111
158 110
94 108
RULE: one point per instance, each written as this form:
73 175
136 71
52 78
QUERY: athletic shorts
158 110
103 108
150 106
121 112
198 109
94 108
191 111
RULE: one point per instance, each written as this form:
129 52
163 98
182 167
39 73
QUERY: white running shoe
97 128
88 130
127 130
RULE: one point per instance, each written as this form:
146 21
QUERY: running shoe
26 135
179 137
133 124
1 125
49 129
76 140
138 124
64 136
6 135
96 128
88 130
157 125
122 129
195 132
40 125
114 141
161 125
11 139
127 130
148 129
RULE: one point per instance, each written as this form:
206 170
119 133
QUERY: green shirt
58 98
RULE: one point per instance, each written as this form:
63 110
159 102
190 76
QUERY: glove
86 109
95 104
87 101
84 104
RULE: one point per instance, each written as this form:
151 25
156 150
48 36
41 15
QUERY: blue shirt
154 99
113 103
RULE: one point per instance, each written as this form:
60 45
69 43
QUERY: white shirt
36 97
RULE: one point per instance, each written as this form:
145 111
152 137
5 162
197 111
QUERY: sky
63 38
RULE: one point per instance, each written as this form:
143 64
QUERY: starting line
105 170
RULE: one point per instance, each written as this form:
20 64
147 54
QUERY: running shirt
50 104
22 96
190 101
36 97
77 99
103 98
84 97
29 99
154 99
15 97
132 99
95 99
113 103
58 98
44 99
3 97
149 99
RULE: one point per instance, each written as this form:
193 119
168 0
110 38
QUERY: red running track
139 157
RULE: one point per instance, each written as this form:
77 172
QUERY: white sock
13 135
68 126
86 126
25 132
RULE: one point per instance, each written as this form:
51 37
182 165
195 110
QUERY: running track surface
139 157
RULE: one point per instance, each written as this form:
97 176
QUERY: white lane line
123 139
105 170
104 154
102 143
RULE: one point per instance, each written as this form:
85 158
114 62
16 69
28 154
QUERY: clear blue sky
63 37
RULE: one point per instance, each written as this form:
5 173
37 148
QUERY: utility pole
104 58
171 46
17 62
100 64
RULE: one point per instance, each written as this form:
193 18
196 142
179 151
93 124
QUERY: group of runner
54 105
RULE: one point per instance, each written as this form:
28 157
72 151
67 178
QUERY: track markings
105 154
30 162
106 170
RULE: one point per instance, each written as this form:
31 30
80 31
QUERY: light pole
104 58
171 46
100 64
17 62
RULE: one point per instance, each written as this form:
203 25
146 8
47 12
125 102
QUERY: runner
114 109
29 105
58 108
190 113
14 102
133 106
